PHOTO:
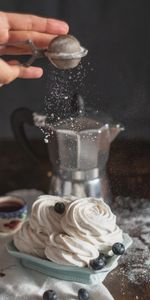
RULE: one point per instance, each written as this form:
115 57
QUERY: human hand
20 27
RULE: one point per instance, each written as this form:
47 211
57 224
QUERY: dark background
117 35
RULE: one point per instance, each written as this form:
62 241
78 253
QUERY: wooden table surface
129 173
131 279
122 289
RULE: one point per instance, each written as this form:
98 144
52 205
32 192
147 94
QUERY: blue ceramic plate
70 273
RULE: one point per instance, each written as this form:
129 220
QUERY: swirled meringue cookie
68 250
43 216
91 220
75 237
28 241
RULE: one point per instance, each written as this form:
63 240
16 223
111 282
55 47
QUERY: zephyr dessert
71 231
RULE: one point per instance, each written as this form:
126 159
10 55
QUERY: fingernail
39 73
65 27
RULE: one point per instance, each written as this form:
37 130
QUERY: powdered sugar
134 217
61 86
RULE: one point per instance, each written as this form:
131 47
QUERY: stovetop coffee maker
78 148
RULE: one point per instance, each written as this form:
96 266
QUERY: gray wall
117 35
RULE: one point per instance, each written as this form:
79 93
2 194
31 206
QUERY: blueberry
59 207
97 263
50 295
118 248
103 256
83 294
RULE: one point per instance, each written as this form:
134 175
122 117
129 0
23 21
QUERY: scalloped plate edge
69 273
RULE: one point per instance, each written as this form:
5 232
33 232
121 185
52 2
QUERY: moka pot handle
19 118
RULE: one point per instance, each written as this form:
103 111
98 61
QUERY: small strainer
64 52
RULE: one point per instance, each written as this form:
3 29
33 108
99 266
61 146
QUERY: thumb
9 72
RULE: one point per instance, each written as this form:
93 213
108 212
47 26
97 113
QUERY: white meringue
28 241
92 220
43 216
67 250
75 237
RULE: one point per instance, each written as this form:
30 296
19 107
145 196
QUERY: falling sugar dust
133 216
61 86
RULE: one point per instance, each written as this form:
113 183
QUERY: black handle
77 105
19 118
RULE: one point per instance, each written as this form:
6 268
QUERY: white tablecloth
18 283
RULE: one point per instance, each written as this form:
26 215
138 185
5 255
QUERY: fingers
10 71
13 62
4 28
15 51
30 72
41 40
34 23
